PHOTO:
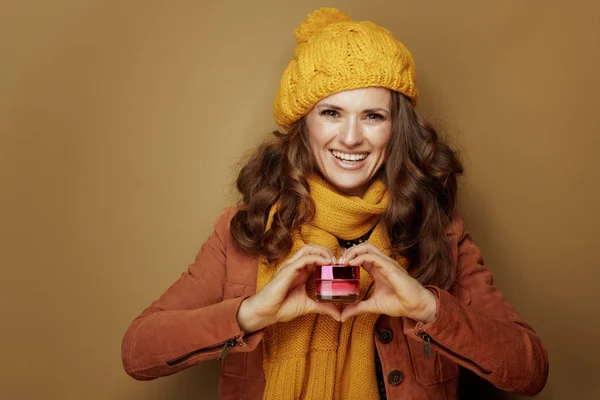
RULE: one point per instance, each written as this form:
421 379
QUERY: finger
363 248
323 250
355 309
386 268
312 249
289 272
369 261
302 260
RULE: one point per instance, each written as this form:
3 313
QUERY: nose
351 134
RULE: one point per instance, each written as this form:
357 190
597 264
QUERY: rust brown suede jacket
475 327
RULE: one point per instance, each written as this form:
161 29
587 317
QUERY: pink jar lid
337 271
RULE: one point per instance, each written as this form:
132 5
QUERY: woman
358 178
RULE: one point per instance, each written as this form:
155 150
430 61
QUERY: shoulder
222 222
241 264
222 226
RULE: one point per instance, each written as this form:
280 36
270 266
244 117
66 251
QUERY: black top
379 374
346 244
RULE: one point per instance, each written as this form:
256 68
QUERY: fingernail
342 259
333 260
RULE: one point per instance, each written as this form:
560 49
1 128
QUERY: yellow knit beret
334 54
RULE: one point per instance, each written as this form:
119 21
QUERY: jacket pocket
433 369
235 365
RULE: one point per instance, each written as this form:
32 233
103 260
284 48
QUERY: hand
396 293
284 297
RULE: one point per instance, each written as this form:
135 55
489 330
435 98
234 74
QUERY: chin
350 189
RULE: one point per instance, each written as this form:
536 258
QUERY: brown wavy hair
420 172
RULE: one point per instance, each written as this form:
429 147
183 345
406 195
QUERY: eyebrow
367 111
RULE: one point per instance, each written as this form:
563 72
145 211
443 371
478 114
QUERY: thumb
355 309
326 308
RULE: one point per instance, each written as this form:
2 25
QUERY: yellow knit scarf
313 356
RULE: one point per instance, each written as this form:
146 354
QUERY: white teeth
349 157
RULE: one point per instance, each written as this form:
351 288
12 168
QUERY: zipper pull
426 343
228 345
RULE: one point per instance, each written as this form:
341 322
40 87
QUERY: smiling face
348 133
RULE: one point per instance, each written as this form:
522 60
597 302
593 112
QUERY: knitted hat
335 54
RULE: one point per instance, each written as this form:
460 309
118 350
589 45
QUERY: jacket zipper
426 343
427 348
226 347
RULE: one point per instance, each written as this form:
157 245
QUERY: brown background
121 123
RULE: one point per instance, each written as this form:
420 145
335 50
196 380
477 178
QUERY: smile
349 157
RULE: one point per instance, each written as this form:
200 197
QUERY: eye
375 116
330 113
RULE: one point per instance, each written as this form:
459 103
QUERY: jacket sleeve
190 322
479 329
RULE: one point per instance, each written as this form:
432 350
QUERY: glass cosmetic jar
337 283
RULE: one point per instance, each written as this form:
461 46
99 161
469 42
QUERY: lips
350 158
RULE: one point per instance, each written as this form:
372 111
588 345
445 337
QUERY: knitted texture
313 356
334 54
